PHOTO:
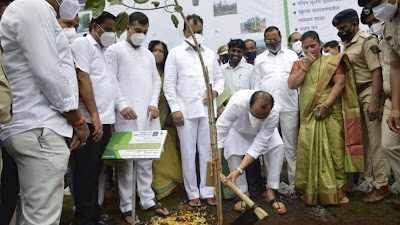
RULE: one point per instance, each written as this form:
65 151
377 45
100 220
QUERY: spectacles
271 41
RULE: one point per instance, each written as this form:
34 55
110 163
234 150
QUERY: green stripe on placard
285 7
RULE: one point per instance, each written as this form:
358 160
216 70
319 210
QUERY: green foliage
121 22
115 2
174 20
141 1
178 9
97 7
155 3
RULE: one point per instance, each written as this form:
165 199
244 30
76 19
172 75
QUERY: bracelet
240 170
303 69
326 106
79 122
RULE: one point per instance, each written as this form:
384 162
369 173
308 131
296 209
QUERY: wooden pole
211 122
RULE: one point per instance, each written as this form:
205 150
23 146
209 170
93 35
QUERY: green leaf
155 3
98 8
115 2
121 22
89 4
141 1
178 9
175 20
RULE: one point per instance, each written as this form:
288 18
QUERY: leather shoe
377 195
394 202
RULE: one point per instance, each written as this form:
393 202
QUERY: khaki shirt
363 52
384 48
391 33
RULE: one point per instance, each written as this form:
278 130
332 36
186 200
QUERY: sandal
195 202
159 210
278 207
211 201
126 215
240 206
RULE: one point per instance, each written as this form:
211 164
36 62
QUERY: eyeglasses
271 41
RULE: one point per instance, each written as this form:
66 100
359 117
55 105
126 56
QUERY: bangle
326 106
240 170
79 122
303 69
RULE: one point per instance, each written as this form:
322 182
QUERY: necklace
319 71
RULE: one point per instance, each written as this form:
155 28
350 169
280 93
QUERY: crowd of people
332 115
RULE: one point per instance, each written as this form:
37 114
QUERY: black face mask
346 36
273 47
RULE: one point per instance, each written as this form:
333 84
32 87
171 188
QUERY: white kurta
239 78
236 134
140 85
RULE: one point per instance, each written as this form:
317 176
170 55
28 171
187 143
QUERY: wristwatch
240 170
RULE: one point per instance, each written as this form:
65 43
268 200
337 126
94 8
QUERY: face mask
273 47
107 38
297 47
159 57
251 55
68 8
138 38
70 33
385 11
376 28
346 36
199 38
257 123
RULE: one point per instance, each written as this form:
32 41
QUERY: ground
353 213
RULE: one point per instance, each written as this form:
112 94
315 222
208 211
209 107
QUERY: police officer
388 12
363 52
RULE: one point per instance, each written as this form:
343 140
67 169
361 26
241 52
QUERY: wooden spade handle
261 214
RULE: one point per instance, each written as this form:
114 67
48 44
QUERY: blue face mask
251 55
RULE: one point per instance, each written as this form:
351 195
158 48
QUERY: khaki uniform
363 52
391 143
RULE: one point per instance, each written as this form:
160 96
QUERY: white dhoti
195 134
235 147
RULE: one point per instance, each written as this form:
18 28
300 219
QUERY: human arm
299 71
257 76
247 160
393 120
81 131
156 81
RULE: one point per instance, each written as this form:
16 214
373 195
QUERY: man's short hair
272 28
195 18
100 20
238 43
141 18
267 99
332 44
290 37
250 40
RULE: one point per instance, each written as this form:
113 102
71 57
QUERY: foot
127 218
240 206
377 195
159 210
277 206
343 199
211 201
394 202
195 202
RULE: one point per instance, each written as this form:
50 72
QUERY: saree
167 171
332 147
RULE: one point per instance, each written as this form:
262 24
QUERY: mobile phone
316 112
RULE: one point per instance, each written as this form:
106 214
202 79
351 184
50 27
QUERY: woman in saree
329 142
167 172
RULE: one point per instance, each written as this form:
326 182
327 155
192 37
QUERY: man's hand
153 111
178 118
373 110
214 95
393 121
98 128
81 134
220 111
232 177
128 114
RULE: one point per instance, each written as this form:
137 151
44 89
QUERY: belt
362 87
388 96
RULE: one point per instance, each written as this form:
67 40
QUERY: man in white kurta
185 90
136 72
272 69
240 132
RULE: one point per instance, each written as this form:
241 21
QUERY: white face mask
70 33
68 8
257 123
199 38
376 28
138 38
297 47
107 38
385 11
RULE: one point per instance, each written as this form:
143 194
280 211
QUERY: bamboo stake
211 121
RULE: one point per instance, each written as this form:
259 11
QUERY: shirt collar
187 46
92 40
130 46
241 64
355 38
270 53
